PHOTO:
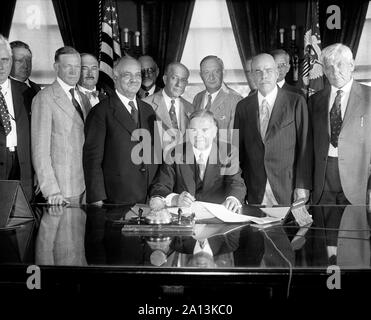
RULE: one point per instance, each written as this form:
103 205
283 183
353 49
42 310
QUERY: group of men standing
82 142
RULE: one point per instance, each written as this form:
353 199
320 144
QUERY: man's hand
157 203
301 194
184 199
232 204
57 199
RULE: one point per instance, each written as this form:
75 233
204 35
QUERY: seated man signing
201 169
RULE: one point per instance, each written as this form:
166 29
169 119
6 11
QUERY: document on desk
209 210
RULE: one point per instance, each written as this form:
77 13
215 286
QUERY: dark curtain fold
255 26
164 27
353 15
6 16
78 23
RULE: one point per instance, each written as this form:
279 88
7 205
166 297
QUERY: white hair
335 52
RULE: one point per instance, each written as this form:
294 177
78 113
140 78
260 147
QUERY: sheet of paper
277 212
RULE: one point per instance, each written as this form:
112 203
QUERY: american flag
110 39
312 73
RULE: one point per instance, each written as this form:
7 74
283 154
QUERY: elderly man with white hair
341 119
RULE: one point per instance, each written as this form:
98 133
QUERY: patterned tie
208 104
201 166
4 114
174 122
134 112
335 119
264 118
76 104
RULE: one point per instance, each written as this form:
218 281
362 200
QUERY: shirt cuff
169 198
232 197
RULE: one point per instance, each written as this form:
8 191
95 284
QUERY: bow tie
93 93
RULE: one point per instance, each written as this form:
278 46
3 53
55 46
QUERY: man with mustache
88 79
150 73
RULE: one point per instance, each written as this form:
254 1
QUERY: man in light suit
282 59
119 154
15 107
217 97
171 109
57 132
150 73
201 170
22 65
274 140
341 118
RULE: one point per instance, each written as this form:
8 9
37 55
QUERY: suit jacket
57 132
22 99
222 176
286 150
142 93
293 89
158 104
223 107
34 87
354 144
110 172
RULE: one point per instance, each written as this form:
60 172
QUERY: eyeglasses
282 65
148 71
260 73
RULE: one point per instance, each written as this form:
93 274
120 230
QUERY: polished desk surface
90 236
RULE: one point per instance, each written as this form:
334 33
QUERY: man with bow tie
89 78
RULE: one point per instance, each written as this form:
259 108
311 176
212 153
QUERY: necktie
174 122
208 104
201 166
202 243
264 118
76 104
134 112
335 119
4 114
146 94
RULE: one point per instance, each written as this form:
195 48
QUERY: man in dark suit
282 59
274 139
15 108
341 119
88 79
250 78
119 148
203 170
149 76
22 65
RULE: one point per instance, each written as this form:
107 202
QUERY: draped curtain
78 23
353 15
6 16
255 26
164 27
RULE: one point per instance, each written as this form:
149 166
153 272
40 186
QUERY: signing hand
185 199
232 204
300 193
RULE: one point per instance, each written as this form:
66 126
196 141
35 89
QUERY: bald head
149 71
265 73
127 76
175 79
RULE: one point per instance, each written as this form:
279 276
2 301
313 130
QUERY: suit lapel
278 113
17 100
121 114
63 101
212 166
322 122
218 102
355 106
183 116
161 109
187 169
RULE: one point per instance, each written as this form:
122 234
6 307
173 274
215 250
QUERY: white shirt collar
5 86
205 153
66 87
270 98
168 100
126 100
83 89
345 89
281 83
213 95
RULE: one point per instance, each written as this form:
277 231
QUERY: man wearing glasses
282 59
150 73
275 146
